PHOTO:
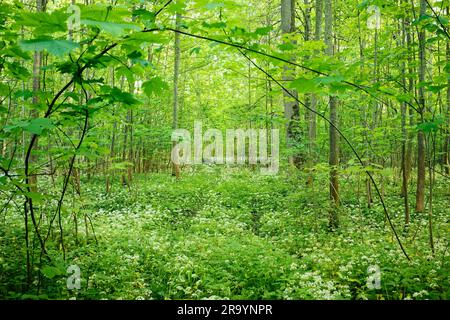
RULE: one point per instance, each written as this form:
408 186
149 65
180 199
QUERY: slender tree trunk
112 154
291 107
124 149
314 100
306 38
446 158
405 137
312 125
410 59
37 64
364 122
334 147
431 147
176 73
420 193
131 165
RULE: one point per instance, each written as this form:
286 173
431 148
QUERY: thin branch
161 9
438 19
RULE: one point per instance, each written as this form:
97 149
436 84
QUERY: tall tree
176 74
420 193
312 121
446 150
404 107
334 147
37 64
314 99
291 106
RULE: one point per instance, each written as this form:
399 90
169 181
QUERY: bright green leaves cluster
146 17
43 22
316 85
120 96
49 32
437 25
431 126
16 70
115 95
215 5
141 38
305 85
4 89
55 47
214 25
36 126
113 28
114 22
136 57
50 271
154 86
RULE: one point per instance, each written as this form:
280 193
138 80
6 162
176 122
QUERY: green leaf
67 67
443 20
35 196
113 28
286 46
72 95
15 51
214 5
435 89
123 97
43 22
177 7
35 126
147 37
421 19
304 85
263 31
4 90
195 50
17 71
125 72
38 125
431 126
55 47
363 4
154 86
214 25
329 79
147 17
51 272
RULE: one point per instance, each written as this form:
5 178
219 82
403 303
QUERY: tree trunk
314 99
446 158
131 165
37 64
291 107
334 147
311 115
176 73
404 135
420 193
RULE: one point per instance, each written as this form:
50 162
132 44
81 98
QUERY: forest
225 149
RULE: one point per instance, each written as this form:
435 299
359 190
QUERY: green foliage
35 126
113 28
56 47
154 86
233 235
97 102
